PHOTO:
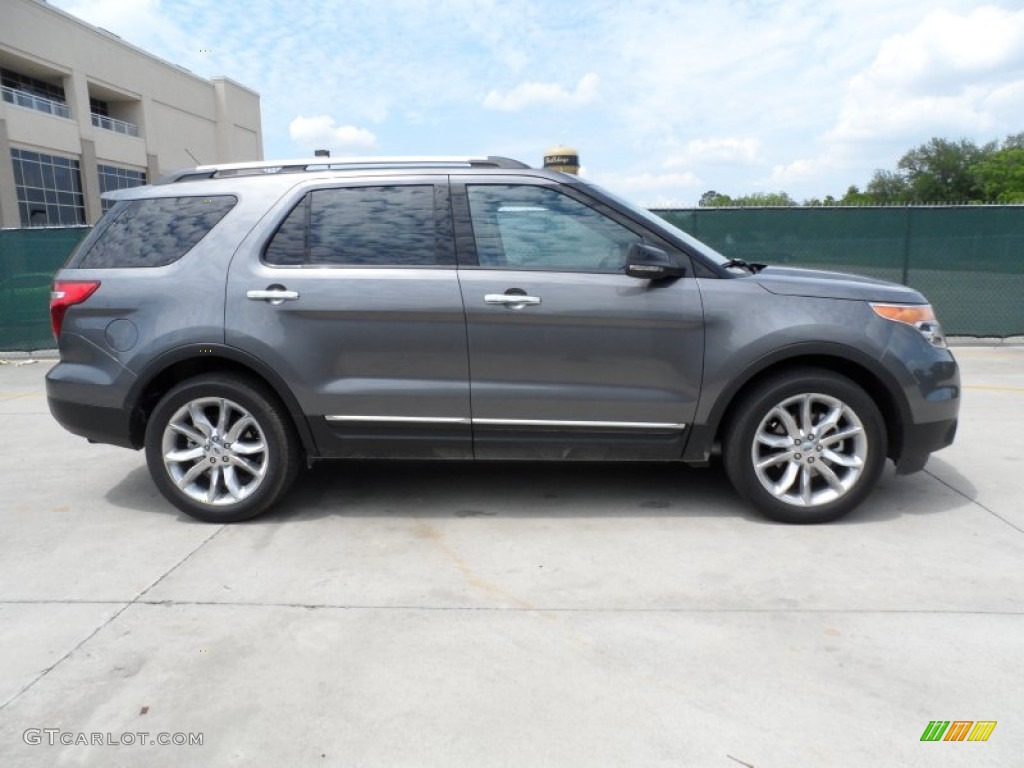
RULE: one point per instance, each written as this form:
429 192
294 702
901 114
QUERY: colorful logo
958 730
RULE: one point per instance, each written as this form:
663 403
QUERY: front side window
152 232
533 227
359 226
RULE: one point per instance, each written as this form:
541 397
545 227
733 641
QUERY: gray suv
242 321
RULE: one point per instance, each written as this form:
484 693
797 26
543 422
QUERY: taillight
67 293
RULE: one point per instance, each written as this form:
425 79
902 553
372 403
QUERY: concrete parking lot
511 615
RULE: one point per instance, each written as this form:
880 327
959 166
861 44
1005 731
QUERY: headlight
921 316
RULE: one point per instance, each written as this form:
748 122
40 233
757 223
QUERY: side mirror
646 262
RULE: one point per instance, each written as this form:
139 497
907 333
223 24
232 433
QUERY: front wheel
805 446
220 448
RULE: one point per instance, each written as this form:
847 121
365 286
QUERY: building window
35 94
99 107
49 189
112 177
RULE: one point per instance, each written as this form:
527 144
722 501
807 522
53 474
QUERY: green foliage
713 199
888 188
1000 175
946 171
942 171
938 171
854 196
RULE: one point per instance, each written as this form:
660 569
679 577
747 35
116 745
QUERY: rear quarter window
153 232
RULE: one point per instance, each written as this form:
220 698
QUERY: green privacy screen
28 259
968 260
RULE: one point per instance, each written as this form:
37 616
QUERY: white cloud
724 149
801 94
320 132
951 74
798 169
645 181
660 180
531 94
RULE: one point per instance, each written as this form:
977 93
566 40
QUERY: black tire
832 484
262 462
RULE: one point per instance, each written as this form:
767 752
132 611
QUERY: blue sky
664 100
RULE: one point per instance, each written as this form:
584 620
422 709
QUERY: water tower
562 158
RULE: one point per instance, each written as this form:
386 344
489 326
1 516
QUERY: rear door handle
273 295
511 299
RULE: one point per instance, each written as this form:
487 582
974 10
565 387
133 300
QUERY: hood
816 283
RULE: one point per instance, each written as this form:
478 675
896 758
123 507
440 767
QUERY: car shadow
537 489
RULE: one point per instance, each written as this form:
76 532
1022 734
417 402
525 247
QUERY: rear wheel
221 449
806 446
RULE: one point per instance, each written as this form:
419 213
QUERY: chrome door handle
511 299
277 296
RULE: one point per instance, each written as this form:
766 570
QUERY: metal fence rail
968 260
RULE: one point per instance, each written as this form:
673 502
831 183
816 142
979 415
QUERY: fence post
906 248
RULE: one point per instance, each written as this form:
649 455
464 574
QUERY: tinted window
375 226
153 232
531 227
290 244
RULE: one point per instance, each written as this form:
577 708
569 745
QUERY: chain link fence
28 260
968 260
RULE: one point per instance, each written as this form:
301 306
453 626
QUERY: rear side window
153 232
359 226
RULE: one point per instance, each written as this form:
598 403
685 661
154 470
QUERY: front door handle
274 294
514 300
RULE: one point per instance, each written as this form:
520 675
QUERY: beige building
83 112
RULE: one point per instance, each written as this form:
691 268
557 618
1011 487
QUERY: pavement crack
975 501
134 601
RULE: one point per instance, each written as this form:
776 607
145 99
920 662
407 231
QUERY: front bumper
920 440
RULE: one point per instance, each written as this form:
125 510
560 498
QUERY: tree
889 188
854 196
1000 174
765 199
940 171
713 199
817 202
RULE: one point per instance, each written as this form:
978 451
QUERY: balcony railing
112 124
30 100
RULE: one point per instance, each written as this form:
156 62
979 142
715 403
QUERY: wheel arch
879 383
178 365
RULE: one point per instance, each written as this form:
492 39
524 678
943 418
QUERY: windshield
655 219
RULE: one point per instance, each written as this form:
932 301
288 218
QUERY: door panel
376 354
595 364
619 357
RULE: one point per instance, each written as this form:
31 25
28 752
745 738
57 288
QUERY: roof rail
262 167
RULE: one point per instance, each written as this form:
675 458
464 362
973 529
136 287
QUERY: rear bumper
88 400
95 423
